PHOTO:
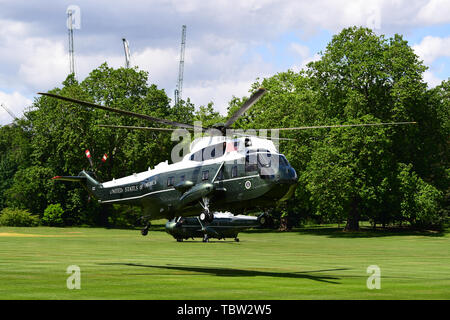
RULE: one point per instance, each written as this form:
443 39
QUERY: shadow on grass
334 232
227 272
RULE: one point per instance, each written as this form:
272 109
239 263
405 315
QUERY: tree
15 149
62 131
419 201
361 74
351 174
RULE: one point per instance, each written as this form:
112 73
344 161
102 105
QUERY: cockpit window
264 159
283 161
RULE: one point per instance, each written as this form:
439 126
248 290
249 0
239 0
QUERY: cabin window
210 152
214 151
170 181
205 175
182 178
234 171
197 156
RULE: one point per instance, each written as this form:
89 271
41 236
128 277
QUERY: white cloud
45 63
431 79
219 92
435 11
431 48
160 63
222 44
305 56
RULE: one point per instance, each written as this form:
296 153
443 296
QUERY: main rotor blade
268 138
344 125
247 105
123 112
137 128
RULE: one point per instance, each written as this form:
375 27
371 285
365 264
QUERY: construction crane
179 88
126 48
9 111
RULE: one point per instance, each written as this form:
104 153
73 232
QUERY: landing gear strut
144 231
206 215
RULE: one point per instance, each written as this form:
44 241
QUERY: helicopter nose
287 175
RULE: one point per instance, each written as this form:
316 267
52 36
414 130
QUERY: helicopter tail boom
89 183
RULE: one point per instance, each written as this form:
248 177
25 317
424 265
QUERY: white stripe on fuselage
137 197
172 189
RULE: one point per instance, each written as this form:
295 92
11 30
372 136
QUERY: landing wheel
206 216
205 238
144 231
236 239
203 217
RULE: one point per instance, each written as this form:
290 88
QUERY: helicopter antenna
179 88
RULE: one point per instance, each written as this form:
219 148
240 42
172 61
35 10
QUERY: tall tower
71 52
179 88
126 48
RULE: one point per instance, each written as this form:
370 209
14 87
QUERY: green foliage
32 189
17 218
62 131
382 174
419 201
15 148
349 174
53 216
125 217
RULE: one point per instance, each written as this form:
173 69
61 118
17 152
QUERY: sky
229 44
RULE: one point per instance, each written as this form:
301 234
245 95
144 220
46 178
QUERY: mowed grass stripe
302 264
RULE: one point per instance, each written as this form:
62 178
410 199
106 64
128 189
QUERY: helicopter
221 172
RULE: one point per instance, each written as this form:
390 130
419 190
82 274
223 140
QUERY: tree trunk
284 224
353 217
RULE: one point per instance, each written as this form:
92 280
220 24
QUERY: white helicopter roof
231 153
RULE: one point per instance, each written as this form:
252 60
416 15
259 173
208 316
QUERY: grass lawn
314 263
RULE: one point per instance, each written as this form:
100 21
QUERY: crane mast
71 51
179 89
126 48
9 111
